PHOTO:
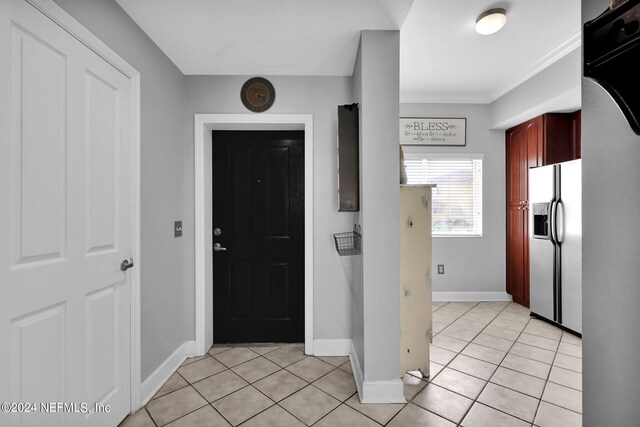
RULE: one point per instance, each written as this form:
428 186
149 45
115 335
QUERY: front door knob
217 247
126 264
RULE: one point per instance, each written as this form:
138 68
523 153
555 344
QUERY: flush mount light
491 21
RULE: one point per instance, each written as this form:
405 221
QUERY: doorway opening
204 124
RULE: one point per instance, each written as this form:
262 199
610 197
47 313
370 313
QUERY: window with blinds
457 198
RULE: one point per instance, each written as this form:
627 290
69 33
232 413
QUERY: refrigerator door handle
559 221
552 221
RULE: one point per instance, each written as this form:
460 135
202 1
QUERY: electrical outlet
177 228
440 268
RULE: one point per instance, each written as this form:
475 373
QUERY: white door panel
40 378
39 82
65 178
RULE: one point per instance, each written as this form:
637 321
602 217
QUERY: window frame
423 152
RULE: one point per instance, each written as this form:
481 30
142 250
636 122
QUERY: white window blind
457 199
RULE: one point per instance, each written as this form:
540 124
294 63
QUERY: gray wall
319 96
357 285
611 250
162 175
554 89
472 264
380 202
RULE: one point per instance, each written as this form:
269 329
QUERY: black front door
258 216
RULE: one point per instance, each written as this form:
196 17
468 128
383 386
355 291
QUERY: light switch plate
177 228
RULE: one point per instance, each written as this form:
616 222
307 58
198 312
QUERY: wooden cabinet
521 153
550 138
576 134
518 254
516 154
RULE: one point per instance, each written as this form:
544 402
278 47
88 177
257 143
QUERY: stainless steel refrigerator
555 243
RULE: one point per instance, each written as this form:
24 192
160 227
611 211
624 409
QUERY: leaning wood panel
415 278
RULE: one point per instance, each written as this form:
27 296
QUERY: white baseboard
471 296
338 347
390 391
358 375
152 384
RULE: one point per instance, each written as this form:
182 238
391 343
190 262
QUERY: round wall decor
258 94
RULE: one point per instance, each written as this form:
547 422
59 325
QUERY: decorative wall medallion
257 94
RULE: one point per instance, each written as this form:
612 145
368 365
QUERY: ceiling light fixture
490 21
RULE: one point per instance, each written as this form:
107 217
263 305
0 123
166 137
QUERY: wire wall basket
349 243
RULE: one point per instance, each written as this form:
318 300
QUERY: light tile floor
491 365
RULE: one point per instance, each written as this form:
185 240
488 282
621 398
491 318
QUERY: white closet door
66 215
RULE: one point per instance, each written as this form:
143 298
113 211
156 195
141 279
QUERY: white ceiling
442 59
264 37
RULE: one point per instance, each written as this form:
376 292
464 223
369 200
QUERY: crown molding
569 45
563 49
451 98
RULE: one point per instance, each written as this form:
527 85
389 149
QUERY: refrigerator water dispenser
541 220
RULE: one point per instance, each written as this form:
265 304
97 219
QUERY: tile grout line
189 384
208 376
150 417
491 348
544 387
205 399
172 391
190 412
487 381
546 381
460 352
520 332
504 367
552 382
344 403
311 384
428 381
443 367
231 367
446 365
260 391
181 388
294 392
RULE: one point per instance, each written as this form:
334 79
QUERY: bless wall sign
432 131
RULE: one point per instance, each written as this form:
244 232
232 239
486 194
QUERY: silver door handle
559 221
126 264
217 247
552 221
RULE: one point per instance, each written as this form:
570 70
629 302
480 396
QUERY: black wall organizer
348 158
612 56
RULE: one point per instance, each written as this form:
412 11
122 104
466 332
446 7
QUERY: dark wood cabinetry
550 138
575 126
517 254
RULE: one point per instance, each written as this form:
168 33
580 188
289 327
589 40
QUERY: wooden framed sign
433 131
